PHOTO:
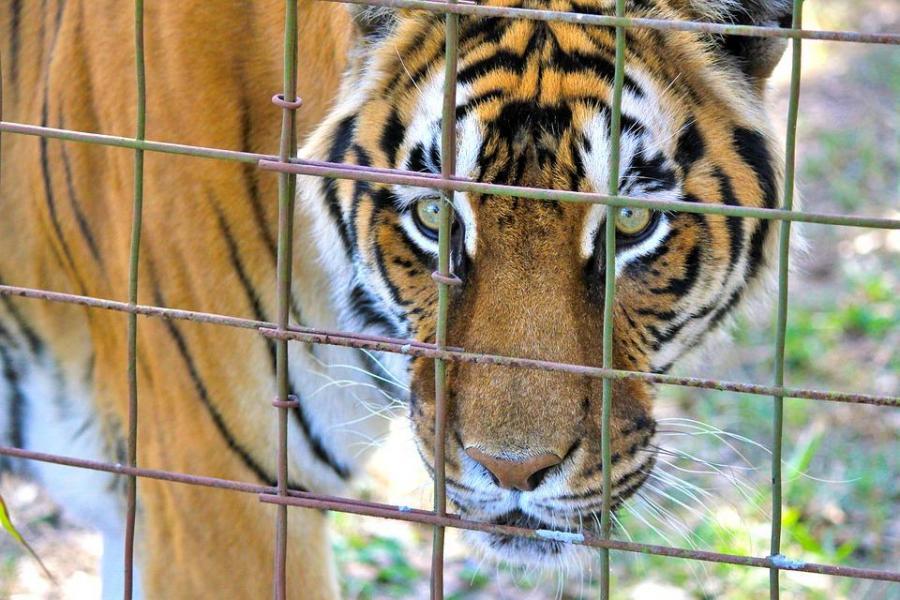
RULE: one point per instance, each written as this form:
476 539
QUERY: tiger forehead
535 90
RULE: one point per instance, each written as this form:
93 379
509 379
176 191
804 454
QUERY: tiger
533 108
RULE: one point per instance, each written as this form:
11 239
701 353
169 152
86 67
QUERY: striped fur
533 109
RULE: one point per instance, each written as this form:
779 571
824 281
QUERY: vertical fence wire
783 270
448 169
289 102
609 300
287 183
134 260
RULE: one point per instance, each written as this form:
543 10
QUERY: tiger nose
522 475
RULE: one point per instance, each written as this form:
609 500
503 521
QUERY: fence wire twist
281 333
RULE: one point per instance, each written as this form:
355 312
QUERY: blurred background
841 462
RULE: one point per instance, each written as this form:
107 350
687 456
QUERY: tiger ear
755 56
372 22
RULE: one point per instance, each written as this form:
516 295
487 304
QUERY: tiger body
533 109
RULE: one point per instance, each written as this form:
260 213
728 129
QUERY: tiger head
533 109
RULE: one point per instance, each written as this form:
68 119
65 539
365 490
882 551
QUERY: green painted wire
448 169
784 241
133 268
609 301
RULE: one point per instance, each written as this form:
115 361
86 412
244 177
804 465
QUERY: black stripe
45 168
690 147
35 344
682 285
234 257
343 137
575 62
368 308
16 400
315 443
392 136
15 20
251 183
203 393
752 147
83 225
501 60
259 314
734 224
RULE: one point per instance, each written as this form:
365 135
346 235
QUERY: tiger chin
533 109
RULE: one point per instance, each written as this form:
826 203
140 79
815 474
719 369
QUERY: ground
841 462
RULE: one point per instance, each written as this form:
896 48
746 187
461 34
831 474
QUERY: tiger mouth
514 545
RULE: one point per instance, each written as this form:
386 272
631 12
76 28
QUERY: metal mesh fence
288 167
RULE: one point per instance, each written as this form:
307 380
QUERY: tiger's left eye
428 211
632 221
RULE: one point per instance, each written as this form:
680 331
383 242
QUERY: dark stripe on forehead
690 147
392 136
648 174
574 62
501 60
475 31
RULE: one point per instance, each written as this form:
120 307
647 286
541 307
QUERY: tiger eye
632 220
428 212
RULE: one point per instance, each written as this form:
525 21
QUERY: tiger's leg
208 543
55 415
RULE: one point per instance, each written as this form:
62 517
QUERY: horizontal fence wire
348 339
405 513
270 162
288 167
472 9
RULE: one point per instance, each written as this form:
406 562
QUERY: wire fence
288 166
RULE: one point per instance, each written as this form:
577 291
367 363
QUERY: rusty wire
312 335
281 333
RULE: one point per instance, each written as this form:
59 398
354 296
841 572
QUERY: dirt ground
842 500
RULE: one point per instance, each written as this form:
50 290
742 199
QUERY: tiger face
533 109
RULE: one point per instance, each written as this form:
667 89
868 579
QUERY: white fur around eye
596 219
426 244
632 253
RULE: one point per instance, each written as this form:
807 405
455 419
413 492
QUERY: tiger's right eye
428 216
633 221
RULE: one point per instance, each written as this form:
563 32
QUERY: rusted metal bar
463 184
402 513
133 271
116 141
417 348
632 22
190 315
459 184
529 363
